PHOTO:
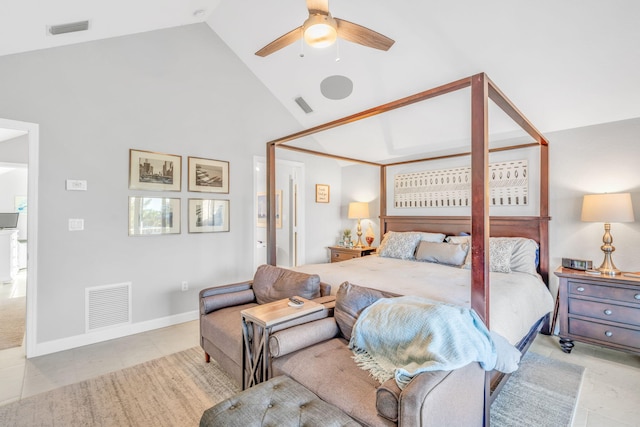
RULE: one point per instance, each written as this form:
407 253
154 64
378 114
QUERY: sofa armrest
426 400
218 297
298 337
325 289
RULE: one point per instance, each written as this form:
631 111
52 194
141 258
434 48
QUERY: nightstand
600 310
340 253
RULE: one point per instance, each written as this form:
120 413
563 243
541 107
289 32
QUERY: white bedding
518 300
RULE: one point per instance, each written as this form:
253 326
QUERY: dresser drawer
607 292
605 311
605 333
337 256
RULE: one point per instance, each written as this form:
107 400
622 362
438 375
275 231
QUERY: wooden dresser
340 253
600 310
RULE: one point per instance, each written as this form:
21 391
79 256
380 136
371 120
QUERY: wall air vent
303 105
71 27
107 306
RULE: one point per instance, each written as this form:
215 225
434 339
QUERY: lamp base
607 267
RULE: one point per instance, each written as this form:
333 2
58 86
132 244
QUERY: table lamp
607 208
358 210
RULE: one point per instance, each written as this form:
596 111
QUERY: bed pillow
401 245
442 253
500 252
432 237
524 257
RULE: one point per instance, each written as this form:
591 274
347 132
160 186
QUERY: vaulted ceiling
565 64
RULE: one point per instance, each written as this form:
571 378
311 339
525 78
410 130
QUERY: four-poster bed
479 224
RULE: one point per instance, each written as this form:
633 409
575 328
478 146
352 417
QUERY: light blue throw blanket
405 336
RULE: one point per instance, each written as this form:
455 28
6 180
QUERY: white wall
178 91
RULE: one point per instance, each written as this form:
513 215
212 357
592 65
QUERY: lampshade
320 31
358 210
607 208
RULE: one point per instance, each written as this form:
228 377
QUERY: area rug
175 390
12 321
543 392
169 391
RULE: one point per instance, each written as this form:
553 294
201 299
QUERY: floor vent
108 306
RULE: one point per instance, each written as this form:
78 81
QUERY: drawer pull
609 333
637 296
608 312
580 289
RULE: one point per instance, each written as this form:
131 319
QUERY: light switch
76 185
76 224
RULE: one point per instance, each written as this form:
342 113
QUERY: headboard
532 227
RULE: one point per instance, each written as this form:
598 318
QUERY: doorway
289 213
22 241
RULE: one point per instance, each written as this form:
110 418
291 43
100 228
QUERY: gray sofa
220 307
317 356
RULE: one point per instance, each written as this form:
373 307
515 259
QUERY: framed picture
208 176
208 215
154 171
322 193
153 215
262 209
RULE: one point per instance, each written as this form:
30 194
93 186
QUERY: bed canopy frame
481 225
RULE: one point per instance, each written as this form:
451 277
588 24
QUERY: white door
289 213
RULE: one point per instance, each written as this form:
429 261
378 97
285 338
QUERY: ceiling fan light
319 31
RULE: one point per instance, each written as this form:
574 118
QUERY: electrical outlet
185 286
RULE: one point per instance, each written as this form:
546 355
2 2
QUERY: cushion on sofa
350 301
272 283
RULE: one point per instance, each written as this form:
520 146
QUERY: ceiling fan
321 30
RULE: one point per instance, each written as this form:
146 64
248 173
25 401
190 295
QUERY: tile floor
609 396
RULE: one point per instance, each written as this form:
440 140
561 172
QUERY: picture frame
262 209
153 215
322 193
153 171
208 215
208 175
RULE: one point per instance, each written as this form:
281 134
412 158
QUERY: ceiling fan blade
318 7
362 35
280 42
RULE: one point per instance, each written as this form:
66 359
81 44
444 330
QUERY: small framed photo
208 175
153 215
322 193
154 171
262 209
208 215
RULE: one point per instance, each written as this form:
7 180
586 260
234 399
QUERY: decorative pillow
399 245
350 301
432 237
272 283
500 251
442 253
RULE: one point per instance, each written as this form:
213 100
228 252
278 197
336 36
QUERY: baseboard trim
68 343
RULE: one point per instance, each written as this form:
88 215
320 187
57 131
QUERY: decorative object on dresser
339 253
370 235
607 208
358 210
601 310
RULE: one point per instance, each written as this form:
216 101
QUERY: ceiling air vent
303 104
71 27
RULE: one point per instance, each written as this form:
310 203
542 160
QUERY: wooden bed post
383 198
480 197
271 203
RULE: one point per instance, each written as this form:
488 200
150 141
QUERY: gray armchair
220 307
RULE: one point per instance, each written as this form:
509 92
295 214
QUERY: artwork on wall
262 209
208 175
508 186
21 204
153 215
322 193
154 171
208 215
